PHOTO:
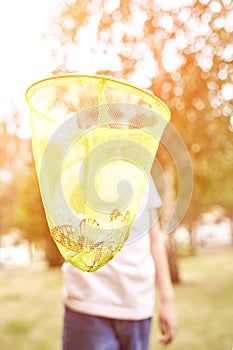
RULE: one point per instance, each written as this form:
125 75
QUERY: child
112 308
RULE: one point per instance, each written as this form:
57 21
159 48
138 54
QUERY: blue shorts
85 332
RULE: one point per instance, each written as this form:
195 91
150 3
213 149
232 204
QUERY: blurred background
182 51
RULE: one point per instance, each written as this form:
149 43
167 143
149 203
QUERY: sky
24 56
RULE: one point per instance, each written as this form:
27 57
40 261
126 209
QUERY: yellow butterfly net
94 140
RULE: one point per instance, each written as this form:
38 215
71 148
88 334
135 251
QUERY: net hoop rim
32 89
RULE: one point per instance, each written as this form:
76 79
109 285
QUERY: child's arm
167 314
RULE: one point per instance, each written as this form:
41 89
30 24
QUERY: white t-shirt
124 287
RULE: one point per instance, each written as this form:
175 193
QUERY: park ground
31 305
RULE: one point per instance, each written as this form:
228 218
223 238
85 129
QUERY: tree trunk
172 258
52 254
192 237
231 226
169 204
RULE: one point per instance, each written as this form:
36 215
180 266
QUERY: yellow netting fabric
94 140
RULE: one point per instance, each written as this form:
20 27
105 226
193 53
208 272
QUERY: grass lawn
31 306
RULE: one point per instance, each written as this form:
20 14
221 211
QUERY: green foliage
10 175
20 200
30 218
183 54
30 215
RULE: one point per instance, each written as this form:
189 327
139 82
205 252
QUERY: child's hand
167 321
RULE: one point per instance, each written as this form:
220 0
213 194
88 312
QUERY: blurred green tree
30 218
183 52
10 164
20 201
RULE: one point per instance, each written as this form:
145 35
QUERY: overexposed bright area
24 57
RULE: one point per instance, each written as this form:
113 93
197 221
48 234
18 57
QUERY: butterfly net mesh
94 140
